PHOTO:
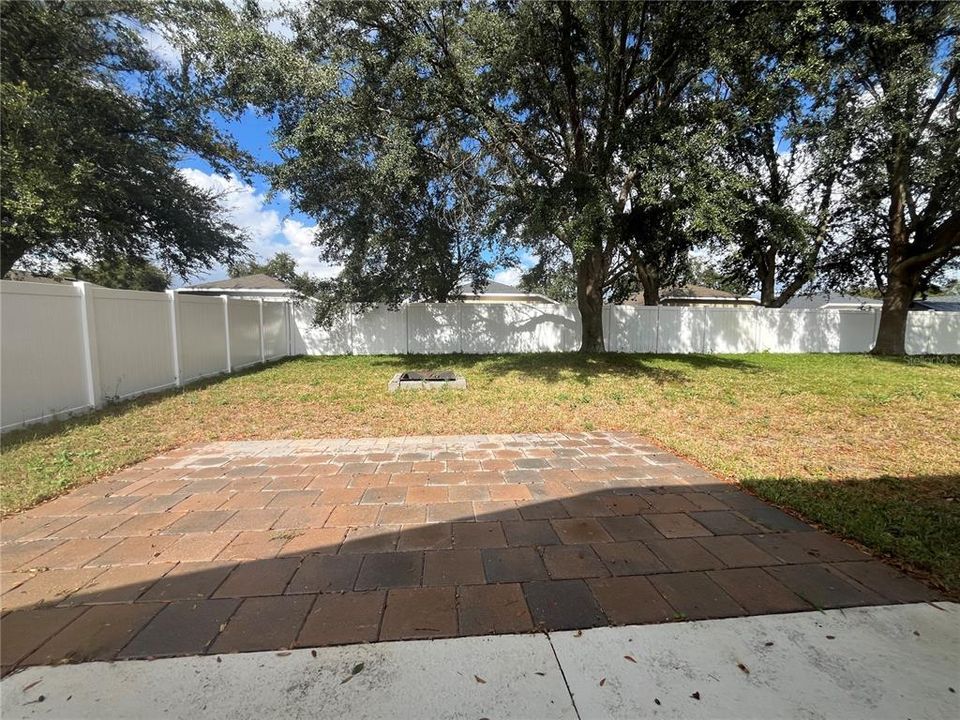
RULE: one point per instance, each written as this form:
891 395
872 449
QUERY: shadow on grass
917 360
581 368
913 519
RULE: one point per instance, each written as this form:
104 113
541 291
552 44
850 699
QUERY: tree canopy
798 145
123 274
93 126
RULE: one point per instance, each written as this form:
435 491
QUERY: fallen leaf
479 679
696 695
831 637
603 681
630 658
744 668
353 673
540 674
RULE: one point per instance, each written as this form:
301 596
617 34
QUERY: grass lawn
869 448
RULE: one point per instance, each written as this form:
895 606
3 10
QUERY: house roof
822 300
24 276
698 292
943 303
258 281
492 288
495 289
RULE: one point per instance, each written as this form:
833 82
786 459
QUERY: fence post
226 328
656 340
263 357
89 331
175 334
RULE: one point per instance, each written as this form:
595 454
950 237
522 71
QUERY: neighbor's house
247 286
496 292
832 301
697 296
944 303
24 276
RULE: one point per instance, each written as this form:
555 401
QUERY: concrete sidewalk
879 662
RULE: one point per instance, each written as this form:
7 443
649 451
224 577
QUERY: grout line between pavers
563 674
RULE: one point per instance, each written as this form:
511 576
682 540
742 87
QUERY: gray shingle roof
944 303
819 300
259 281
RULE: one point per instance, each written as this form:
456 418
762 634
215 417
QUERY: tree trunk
650 281
768 277
10 252
892 332
590 276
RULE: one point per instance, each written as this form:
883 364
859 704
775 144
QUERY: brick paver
241 546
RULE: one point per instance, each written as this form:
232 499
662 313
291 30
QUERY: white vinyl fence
66 348
525 327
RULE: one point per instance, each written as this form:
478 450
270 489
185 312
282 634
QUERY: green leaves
93 129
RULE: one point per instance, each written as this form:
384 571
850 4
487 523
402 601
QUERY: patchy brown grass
884 434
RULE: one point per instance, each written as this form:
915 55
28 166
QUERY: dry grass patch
883 435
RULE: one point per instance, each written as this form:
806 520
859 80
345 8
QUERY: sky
269 220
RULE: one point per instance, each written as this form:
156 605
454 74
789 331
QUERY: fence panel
380 331
274 330
729 330
244 332
633 328
518 328
202 336
311 339
42 359
680 330
434 329
935 333
134 337
857 331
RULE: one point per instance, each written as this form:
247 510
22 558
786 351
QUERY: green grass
869 448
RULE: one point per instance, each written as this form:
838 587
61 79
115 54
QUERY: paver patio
242 546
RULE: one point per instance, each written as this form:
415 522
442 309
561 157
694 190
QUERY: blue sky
269 220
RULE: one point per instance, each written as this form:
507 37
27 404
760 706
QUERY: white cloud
512 275
268 232
508 276
160 47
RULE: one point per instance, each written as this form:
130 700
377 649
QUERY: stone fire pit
426 380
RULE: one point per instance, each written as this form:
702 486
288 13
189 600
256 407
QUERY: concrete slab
871 663
497 676
878 662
